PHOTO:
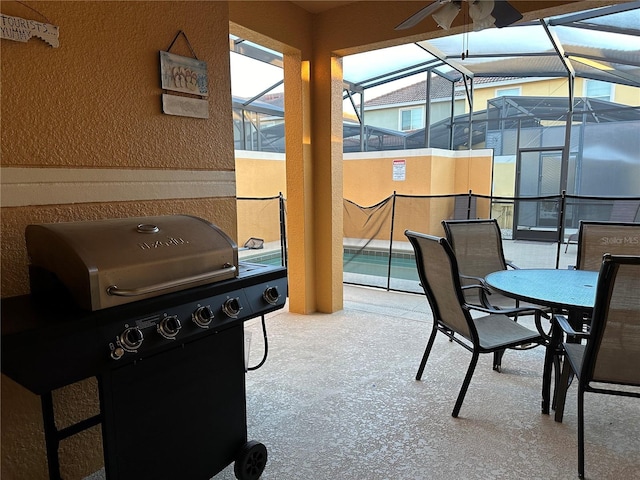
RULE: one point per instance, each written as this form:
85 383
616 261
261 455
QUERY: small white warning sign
399 170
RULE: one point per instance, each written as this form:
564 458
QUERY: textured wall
95 103
95 100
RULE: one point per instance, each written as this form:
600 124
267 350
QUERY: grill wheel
251 461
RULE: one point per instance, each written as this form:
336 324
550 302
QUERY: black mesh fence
262 229
376 252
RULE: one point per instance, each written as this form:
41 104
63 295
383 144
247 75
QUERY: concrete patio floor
337 399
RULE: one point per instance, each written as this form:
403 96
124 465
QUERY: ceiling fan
484 13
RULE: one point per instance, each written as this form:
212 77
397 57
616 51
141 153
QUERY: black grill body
170 407
179 413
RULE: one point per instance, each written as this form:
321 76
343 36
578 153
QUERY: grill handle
159 287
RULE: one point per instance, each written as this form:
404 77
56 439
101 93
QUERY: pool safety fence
376 252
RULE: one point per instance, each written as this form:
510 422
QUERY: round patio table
559 289
570 290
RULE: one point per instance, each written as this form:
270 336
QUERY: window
411 119
509 92
598 89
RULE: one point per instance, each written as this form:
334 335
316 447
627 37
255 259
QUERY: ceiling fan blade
421 14
505 13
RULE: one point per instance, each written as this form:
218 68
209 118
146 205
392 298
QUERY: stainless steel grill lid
105 263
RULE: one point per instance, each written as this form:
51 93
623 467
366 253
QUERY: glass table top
550 287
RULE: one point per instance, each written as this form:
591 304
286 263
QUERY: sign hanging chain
31 8
181 32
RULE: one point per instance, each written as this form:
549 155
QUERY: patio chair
594 240
622 211
611 354
597 238
477 245
495 331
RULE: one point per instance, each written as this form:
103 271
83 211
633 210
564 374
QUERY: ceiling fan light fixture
480 12
445 16
489 13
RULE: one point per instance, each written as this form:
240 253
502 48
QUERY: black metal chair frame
514 334
485 292
580 359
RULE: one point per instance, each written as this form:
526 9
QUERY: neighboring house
404 109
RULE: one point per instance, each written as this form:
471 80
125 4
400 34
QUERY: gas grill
154 307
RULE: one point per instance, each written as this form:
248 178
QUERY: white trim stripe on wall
51 186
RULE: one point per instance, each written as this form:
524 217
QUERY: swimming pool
365 262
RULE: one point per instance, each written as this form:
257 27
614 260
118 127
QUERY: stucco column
326 96
313 119
299 168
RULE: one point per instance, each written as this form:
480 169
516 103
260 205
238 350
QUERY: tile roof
440 89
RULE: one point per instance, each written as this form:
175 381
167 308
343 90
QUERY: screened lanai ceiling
600 44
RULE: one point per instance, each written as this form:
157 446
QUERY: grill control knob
202 317
117 353
271 295
131 339
231 307
169 327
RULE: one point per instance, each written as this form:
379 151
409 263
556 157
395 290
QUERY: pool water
403 265
378 266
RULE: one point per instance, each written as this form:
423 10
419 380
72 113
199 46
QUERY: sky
250 77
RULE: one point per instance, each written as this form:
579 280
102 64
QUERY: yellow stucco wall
626 95
368 176
259 175
93 106
368 179
96 99
504 175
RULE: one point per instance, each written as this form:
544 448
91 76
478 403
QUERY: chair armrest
538 312
481 287
512 265
484 291
566 327
479 280
480 284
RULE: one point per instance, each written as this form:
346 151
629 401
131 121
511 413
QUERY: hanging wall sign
184 74
21 30
185 106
